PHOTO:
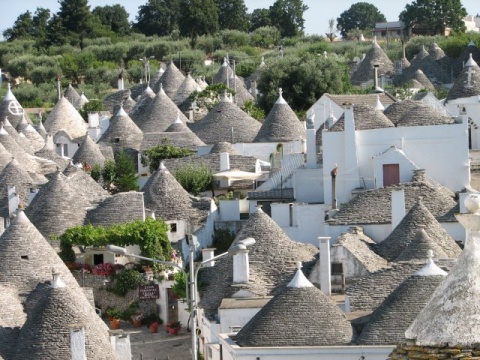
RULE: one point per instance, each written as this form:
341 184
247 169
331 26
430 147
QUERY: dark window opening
97 259
173 227
337 268
24 257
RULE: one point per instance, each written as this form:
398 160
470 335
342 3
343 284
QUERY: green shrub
186 60
265 37
153 156
234 38
127 279
209 44
194 178
223 238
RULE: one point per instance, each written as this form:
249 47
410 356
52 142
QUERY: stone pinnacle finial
280 91
299 265
430 255
162 166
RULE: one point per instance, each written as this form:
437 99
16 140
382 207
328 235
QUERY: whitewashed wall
233 318
305 224
308 185
231 351
441 150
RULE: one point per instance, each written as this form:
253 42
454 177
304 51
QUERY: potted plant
173 327
154 327
137 320
114 315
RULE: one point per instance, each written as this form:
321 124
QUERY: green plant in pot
114 316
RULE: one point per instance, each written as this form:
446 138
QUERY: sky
316 17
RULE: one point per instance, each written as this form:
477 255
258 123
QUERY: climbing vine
150 236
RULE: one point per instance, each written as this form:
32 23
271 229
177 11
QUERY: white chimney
311 142
208 254
350 143
121 84
13 200
123 347
93 120
77 343
325 267
398 207
224 161
241 268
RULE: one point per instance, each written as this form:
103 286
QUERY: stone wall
104 299
409 351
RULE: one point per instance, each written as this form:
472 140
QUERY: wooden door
391 174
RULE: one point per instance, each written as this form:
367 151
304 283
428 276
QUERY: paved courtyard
159 346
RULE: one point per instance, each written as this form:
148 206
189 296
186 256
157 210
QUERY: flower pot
153 329
137 323
173 331
114 324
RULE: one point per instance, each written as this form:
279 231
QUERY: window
97 259
337 268
24 257
173 227
391 174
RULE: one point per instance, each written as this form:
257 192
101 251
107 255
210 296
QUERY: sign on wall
148 291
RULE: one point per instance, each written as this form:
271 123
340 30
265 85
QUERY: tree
332 30
75 16
114 17
434 16
56 34
260 18
287 16
157 17
303 80
40 24
361 15
199 17
125 174
21 29
232 14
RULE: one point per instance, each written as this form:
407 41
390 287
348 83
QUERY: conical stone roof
5 157
271 258
187 87
171 80
26 258
41 130
374 56
36 140
299 305
16 150
223 147
117 209
423 80
390 320
22 124
15 175
145 99
116 99
222 120
64 117
415 113
158 115
71 95
366 118
81 101
436 52
225 72
281 124
49 323
21 140
419 248
89 153
467 83
122 133
165 196
48 152
465 56
57 207
405 232
201 82
84 183
10 108
450 318
178 126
